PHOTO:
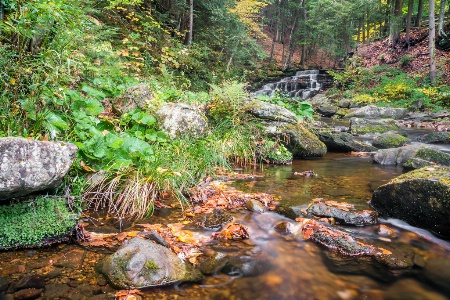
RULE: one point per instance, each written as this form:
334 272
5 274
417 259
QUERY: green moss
150 264
373 129
35 223
275 153
437 173
434 155
390 141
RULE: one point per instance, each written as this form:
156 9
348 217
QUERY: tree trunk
408 20
431 43
2 10
191 22
419 14
441 18
396 14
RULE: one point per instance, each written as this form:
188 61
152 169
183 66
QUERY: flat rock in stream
412 156
375 112
420 197
342 212
27 166
142 263
344 142
363 126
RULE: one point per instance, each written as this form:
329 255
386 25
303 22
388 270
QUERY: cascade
304 84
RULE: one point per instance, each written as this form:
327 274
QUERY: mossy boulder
284 126
420 197
390 140
363 126
327 110
136 96
435 137
34 223
142 263
412 156
343 142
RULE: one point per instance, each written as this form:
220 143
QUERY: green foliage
227 101
302 109
275 153
35 222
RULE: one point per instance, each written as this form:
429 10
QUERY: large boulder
412 156
375 112
420 197
136 96
181 119
435 137
284 126
344 142
27 166
363 125
143 263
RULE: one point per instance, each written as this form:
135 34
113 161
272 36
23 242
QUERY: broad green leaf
99 95
56 121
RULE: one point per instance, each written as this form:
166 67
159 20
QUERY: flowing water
299 269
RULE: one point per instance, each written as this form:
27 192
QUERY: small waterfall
304 85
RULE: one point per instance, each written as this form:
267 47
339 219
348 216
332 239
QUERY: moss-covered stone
390 140
344 142
302 142
420 197
412 156
363 126
34 223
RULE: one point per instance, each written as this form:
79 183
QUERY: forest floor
413 59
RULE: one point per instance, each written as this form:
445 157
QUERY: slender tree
408 20
419 13
441 18
431 42
191 23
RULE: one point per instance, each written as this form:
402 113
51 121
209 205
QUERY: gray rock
346 213
27 166
375 112
181 119
142 263
137 96
420 197
319 100
363 125
343 142
213 264
435 137
283 125
344 103
412 156
327 110
246 266
271 112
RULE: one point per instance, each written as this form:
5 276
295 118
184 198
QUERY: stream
298 269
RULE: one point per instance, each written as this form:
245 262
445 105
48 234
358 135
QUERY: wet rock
319 99
28 294
33 281
214 263
344 103
343 142
255 206
437 272
53 273
412 290
4 283
420 197
27 166
412 156
363 126
434 137
142 263
327 110
375 112
334 239
72 259
389 140
342 212
384 230
284 125
290 212
137 96
246 266
153 235
396 262
214 220
181 119
285 227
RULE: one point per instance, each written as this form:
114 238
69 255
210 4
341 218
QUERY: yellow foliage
248 13
364 98
395 91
